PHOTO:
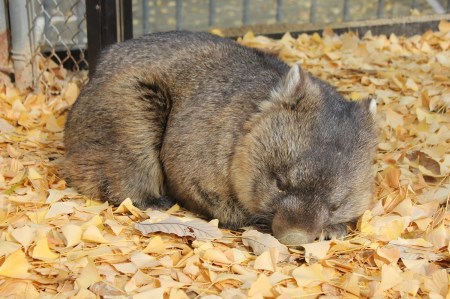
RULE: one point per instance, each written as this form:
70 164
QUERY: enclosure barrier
46 34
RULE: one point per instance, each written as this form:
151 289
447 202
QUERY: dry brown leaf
105 289
260 242
196 228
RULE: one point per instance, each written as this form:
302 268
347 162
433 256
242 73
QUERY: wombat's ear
370 104
292 86
294 80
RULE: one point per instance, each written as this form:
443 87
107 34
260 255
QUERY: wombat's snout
295 237
292 229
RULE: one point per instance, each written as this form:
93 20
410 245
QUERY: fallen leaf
42 252
6 127
88 276
261 287
56 195
104 289
15 266
264 262
60 208
260 242
93 234
72 233
444 26
390 277
316 250
142 260
24 235
154 293
155 245
215 256
195 228
306 275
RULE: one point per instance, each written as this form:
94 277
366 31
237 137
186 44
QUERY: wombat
227 131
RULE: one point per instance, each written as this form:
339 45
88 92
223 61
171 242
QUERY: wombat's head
306 160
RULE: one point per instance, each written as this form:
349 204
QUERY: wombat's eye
335 207
281 185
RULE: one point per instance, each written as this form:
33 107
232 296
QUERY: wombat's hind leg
139 140
113 147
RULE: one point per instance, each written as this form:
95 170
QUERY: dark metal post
102 29
98 35
126 18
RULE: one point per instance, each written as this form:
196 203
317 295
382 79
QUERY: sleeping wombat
227 131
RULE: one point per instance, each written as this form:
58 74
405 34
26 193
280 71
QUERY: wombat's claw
336 231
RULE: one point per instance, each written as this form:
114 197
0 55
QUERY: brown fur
226 131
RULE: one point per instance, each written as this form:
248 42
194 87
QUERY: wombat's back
159 109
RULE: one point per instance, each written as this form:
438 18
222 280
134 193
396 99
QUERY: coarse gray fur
227 131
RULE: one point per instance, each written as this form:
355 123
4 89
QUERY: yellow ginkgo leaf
88 276
261 286
15 266
24 235
264 262
33 174
305 275
97 220
42 252
72 233
93 234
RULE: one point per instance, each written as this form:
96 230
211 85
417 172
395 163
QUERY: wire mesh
58 29
162 15
59 34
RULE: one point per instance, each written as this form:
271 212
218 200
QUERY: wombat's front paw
336 231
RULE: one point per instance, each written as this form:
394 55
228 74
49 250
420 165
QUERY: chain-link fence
48 39
50 36
160 15
60 36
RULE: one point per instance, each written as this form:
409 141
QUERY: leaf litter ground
56 243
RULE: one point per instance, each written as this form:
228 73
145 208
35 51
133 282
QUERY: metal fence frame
32 23
109 21
279 17
21 44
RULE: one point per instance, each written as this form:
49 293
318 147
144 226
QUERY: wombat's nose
295 238
295 227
